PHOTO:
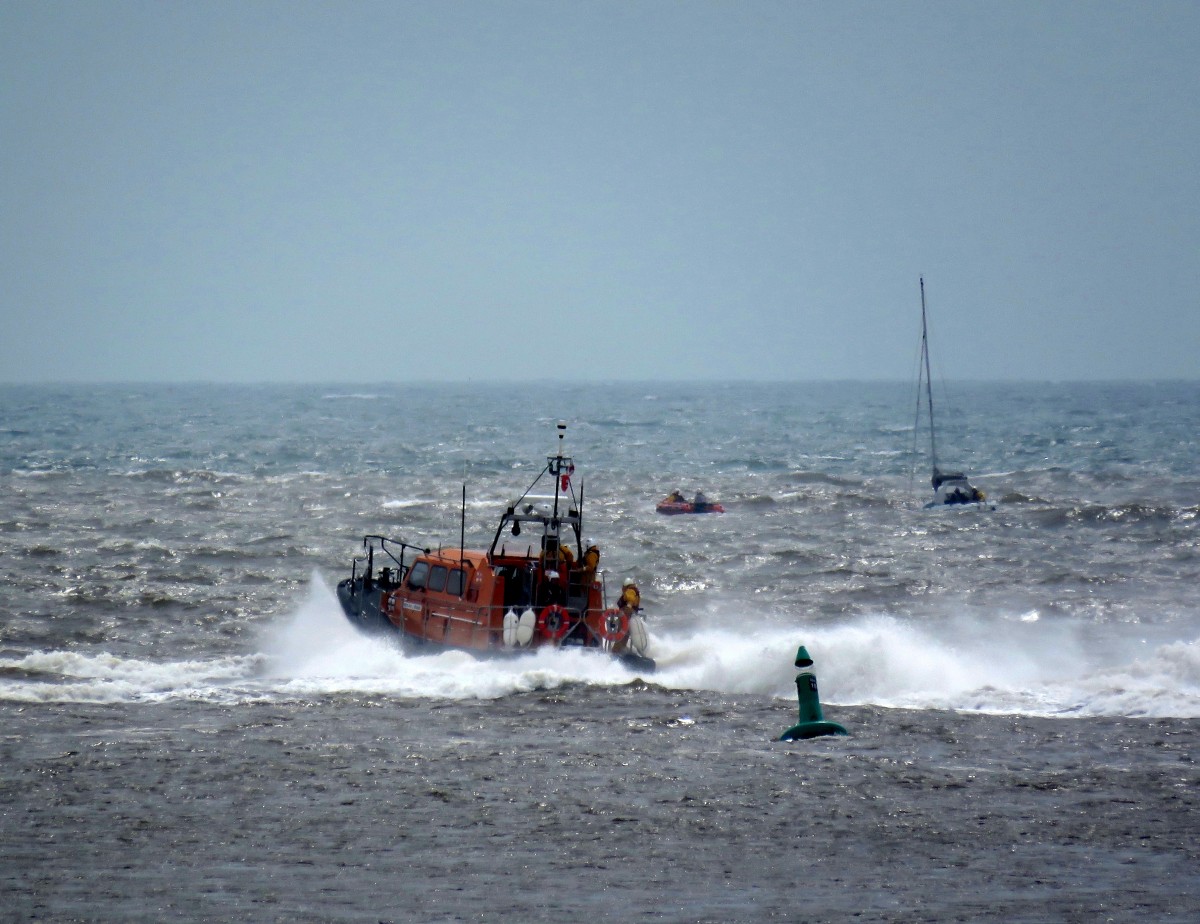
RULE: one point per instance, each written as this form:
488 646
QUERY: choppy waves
1029 666
161 544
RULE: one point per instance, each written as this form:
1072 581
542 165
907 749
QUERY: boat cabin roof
455 557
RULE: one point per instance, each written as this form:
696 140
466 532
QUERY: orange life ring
614 624
553 622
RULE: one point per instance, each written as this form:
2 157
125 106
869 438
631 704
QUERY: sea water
169 628
182 541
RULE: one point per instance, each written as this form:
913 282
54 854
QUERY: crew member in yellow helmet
631 597
591 561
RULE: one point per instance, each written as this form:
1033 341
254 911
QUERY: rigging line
948 406
913 453
928 377
914 398
535 481
916 376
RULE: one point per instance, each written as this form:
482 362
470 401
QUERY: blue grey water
192 729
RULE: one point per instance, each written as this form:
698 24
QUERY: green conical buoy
811 722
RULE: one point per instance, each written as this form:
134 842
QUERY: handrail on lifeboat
545 510
386 544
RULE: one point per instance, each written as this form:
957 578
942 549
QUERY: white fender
639 638
526 626
510 628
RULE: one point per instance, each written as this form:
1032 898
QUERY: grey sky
292 191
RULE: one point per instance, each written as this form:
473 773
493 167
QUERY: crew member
631 597
630 603
560 556
591 561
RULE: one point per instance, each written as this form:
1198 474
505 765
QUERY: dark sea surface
192 730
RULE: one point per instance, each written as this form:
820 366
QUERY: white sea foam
1024 667
1032 667
74 677
994 665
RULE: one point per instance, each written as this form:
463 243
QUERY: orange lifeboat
533 587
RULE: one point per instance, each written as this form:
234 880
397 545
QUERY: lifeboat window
455 584
418 574
437 578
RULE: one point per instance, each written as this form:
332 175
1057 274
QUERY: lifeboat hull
367 607
491 604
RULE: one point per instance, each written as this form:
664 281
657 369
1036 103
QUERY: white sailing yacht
949 488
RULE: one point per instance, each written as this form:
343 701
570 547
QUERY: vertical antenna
556 467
